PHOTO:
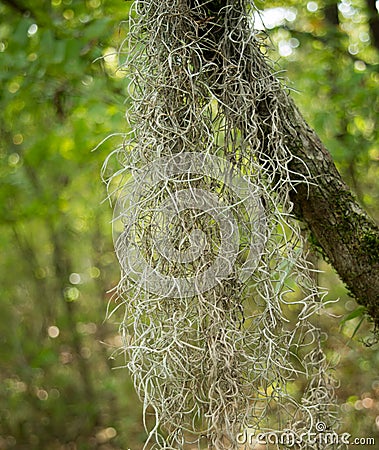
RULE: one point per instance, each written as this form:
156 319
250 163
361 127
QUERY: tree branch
23 10
331 14
343 232
17 6
373 22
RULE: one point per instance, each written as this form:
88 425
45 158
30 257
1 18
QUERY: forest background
62 385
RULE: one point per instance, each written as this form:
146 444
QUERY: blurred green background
61 385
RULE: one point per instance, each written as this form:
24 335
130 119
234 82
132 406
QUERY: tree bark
340 230
373 22
331 13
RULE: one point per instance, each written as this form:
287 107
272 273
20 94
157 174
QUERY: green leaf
358 312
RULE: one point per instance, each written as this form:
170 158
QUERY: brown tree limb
36 14
343 233
373 22
341 230
17 6
331 14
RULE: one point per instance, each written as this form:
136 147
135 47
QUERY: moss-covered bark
344 233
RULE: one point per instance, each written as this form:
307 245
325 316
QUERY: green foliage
57 102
